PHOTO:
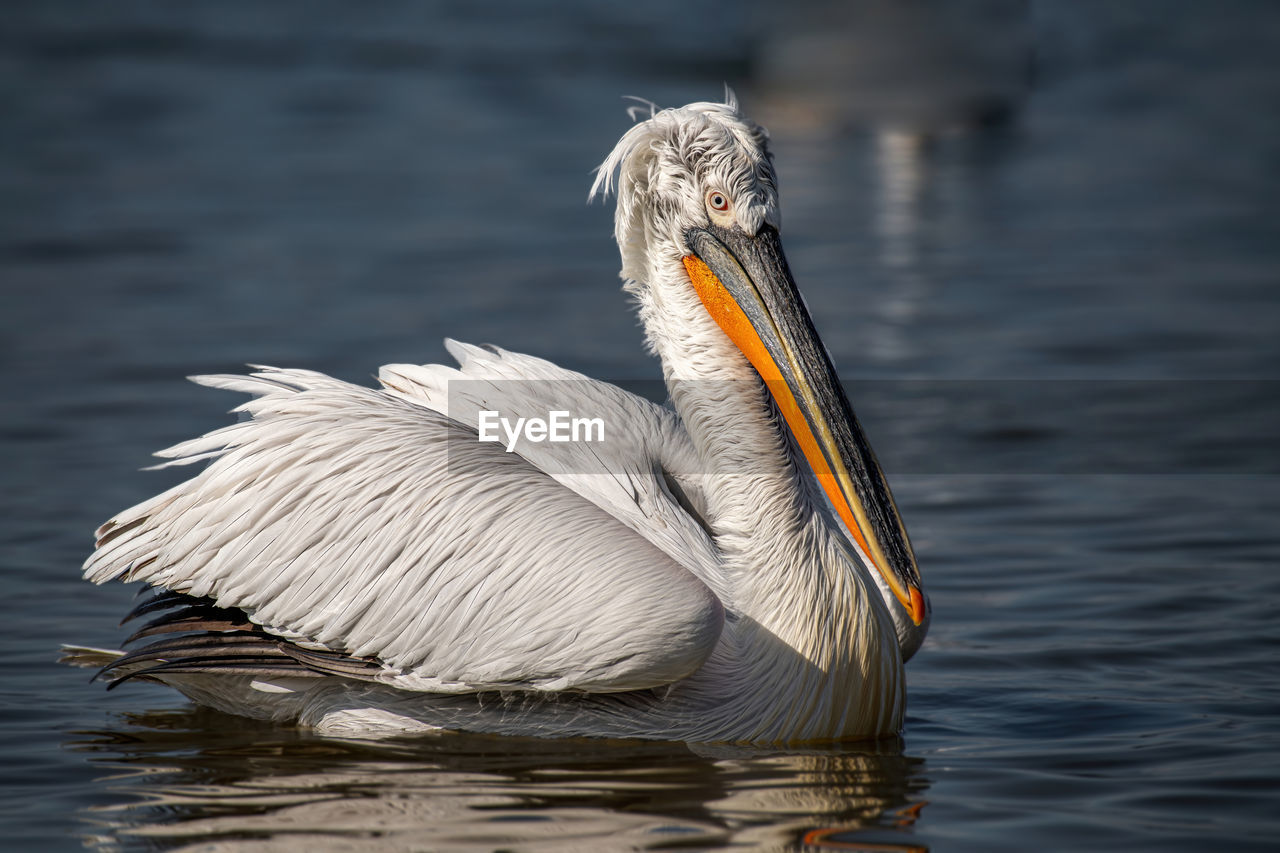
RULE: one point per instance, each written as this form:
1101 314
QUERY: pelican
730 567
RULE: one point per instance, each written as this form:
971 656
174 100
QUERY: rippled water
979 206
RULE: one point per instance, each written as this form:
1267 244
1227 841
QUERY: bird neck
742 443
806 610
794 579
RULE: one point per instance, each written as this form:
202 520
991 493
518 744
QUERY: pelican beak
746 286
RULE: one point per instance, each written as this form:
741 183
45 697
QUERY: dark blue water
1038 240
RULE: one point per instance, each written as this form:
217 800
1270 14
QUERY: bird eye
717 200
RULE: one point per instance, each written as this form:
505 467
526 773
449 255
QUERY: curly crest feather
665 163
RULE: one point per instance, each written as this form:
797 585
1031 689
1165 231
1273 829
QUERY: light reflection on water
252 787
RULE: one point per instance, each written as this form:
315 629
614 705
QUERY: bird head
685 168
697 226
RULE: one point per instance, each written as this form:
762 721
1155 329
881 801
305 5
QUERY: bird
727 566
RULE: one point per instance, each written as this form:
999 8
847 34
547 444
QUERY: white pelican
729 568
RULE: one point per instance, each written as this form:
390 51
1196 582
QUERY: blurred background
1039 238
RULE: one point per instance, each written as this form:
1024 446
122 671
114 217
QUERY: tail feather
196 636
88 657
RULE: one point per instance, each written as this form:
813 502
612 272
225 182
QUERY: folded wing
346 519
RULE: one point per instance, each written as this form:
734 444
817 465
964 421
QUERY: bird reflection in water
197 779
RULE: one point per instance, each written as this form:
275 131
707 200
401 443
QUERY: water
981 203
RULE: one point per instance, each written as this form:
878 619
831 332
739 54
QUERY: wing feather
648 452
348 519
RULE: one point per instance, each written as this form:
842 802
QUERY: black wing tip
197 637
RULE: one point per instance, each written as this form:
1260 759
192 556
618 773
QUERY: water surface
1037 240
